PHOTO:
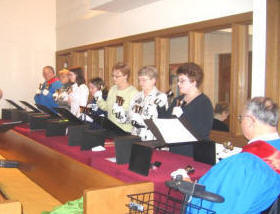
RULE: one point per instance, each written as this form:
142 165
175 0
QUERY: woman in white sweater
79 91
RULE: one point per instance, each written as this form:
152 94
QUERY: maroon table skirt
98 160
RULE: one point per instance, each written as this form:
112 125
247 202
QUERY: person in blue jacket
44 95
248 181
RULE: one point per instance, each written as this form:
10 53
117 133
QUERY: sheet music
173 131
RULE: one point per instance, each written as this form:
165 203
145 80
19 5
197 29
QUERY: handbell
169 93
189 169
228 145
85 110
119 100
180 102
137 109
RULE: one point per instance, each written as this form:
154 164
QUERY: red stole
266 152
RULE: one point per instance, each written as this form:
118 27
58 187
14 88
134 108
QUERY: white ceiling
118 6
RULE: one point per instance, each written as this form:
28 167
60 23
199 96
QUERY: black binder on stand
57 127
33 111
13 114
31 107
38 121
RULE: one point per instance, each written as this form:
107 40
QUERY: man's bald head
48 73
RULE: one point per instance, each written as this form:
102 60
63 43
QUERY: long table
66 172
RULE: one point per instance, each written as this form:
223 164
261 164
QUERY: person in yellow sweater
117 105
119 97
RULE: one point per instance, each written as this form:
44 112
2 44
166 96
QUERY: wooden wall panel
110 58
273 50
60 60
80 59
133 56
92 64
196 54
239 75
196 48
162 49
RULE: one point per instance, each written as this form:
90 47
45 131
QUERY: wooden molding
239 75
162 63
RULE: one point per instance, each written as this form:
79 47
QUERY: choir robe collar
52 80
267 137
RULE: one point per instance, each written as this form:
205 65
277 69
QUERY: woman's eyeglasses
181 81
117 76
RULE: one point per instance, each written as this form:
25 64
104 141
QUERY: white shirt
78 97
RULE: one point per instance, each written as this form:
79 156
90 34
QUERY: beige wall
27 43
77 25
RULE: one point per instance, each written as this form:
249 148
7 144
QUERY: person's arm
102 103
83 95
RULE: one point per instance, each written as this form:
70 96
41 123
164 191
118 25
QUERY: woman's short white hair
264 109
149 71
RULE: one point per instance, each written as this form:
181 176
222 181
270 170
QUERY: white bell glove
86 118
177 111
98 95
45 92
137 119
64 96
182 172
115 108
161 100
55 96
146 135
119 113
93 106
38 91
152 112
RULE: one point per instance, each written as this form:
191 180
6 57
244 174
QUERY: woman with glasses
150 103
193 105
119 96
